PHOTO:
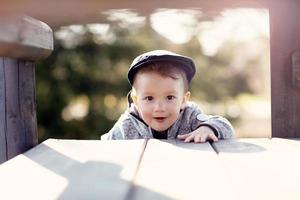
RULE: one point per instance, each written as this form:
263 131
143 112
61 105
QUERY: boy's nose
159 106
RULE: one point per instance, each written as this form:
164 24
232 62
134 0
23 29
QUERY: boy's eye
149 98
170 97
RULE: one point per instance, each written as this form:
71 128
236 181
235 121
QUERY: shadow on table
89 180
181 144
224 146
236 146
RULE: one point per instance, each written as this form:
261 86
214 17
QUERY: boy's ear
186 98
133 97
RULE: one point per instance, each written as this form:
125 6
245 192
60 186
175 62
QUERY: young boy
159 104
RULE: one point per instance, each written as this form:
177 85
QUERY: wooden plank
15 134
177 170
262 168
57 13
285 39
3 153
28 102
72 169
25 37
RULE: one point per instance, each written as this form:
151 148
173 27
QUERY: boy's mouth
159 119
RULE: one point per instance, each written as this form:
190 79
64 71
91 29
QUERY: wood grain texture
181 171
28 102
71 169
78 169
18 124
3 145
15 133
25 37
285 39
262 168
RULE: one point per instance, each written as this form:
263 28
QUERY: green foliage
89 69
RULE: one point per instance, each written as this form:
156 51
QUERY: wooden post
285 90
22 41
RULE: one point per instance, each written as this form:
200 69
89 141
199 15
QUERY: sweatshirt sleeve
117 131
127 127
114 134
221 126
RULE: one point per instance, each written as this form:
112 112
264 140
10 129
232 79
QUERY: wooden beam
15 135
3 144
24 37
285 40
22 41
27 100
58 13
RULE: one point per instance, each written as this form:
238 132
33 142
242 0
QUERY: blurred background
82 87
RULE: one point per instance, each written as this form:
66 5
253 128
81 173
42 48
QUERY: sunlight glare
176 25
237 25
125 17
77 109
100 29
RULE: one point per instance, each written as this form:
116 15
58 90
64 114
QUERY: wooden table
155 169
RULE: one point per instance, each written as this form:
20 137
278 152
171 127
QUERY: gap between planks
131 190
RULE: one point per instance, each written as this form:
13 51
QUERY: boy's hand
200 135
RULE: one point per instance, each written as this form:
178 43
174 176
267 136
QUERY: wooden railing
23 40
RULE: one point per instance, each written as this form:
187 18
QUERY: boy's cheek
144 113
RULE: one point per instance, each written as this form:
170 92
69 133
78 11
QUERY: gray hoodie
130 125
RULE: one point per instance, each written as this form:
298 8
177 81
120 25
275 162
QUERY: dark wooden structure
22 41
285 68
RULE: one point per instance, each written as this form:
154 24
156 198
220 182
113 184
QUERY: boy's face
159 99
